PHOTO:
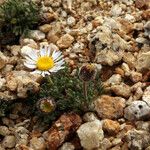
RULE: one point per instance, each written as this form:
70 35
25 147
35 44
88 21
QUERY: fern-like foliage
18 16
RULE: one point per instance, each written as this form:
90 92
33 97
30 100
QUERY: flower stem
85 90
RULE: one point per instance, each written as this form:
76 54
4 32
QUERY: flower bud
87 72
46 105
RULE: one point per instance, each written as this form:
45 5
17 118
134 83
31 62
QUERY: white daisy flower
44 61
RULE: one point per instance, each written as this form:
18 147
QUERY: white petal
43 73
48 51
36 72
59 63
31 66
56 68
30 62
33 55
28 59
58 58
47 73
56 55
43 51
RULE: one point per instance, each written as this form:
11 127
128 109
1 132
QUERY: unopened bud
46 105
87 72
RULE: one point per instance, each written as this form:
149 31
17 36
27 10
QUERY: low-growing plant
18 17
68 93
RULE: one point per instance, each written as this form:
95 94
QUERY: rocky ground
113 34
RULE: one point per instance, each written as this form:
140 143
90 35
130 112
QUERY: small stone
109 57
15 49
146 14
119 71
143 61
52 37
8 122
126 69
111 127
90 116
21 135
138 110
29 42
137 139
105 144
71 21
37 35
121 90
37 143
65 41
4 131
129 58
136 76
67 146
117 141
45 28
90 134
143 125
48 17
114 80
110 107
127 26
130 18
9 141
140 3
116 10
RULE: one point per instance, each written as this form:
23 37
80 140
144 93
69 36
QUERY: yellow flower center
45 63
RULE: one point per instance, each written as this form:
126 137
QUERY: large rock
90 134
61 129
137 139
110 107
138 110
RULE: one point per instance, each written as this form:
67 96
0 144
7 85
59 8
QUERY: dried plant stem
85 89
85 85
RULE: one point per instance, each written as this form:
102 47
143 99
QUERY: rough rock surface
90 134
138 139
137 110
110 126
110 107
